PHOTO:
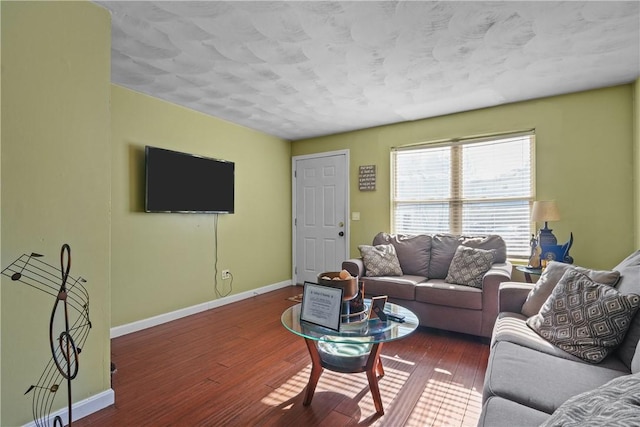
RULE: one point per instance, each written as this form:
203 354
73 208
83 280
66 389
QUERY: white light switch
355 216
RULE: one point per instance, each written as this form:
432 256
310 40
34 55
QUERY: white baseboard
107 398
188 311
80 409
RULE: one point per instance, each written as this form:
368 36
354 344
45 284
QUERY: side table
528 271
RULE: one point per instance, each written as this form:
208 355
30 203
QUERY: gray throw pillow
380 260
469 265
414 251
550 277
585 318
616 403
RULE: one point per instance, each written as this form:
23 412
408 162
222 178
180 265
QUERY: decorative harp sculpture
69 327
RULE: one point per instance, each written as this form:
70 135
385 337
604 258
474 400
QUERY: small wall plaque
367 178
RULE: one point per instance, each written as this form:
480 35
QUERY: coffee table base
373 368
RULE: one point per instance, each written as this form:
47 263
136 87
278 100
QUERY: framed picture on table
377 307
321 305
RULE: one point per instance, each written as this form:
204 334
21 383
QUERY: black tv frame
183 191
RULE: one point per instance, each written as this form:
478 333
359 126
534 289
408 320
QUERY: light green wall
584 147
636 160
165 262
58 162
55 181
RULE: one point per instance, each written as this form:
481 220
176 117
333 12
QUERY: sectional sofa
565 351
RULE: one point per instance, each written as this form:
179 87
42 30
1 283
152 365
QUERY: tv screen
181 182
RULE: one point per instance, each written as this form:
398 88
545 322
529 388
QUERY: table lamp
544 211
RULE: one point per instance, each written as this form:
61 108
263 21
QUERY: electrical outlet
226 274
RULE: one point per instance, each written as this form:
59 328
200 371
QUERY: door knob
341 233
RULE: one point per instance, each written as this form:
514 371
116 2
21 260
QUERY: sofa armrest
354 266
512 295
497 274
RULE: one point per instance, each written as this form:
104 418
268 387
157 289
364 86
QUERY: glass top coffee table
354 348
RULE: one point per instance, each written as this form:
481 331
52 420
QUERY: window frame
457 145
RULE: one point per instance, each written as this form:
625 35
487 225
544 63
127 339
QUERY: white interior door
320 214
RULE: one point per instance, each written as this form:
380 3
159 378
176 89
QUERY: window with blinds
475 186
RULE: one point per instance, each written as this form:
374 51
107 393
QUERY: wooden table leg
316 370
379 368
373 367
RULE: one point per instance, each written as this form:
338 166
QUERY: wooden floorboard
237 365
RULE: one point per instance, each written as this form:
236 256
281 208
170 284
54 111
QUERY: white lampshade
545 210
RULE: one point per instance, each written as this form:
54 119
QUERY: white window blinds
481 186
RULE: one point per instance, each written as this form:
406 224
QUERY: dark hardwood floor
238 366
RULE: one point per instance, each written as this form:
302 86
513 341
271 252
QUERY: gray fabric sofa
425 261
531 382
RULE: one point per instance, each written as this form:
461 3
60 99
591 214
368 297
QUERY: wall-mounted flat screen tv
187 183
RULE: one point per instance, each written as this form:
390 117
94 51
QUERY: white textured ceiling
303 69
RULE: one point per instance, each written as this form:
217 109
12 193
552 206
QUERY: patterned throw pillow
469 265
380 260
585 318
550 278
616 403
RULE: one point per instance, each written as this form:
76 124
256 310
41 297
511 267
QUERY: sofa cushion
449 294
380 260
614 403
585 318
629 269
443 248
444 245
469 265
403 287
499 412
629 283
513 328
549 279
488 243
414 252
540 380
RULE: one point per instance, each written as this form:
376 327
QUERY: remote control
395 317
381 314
